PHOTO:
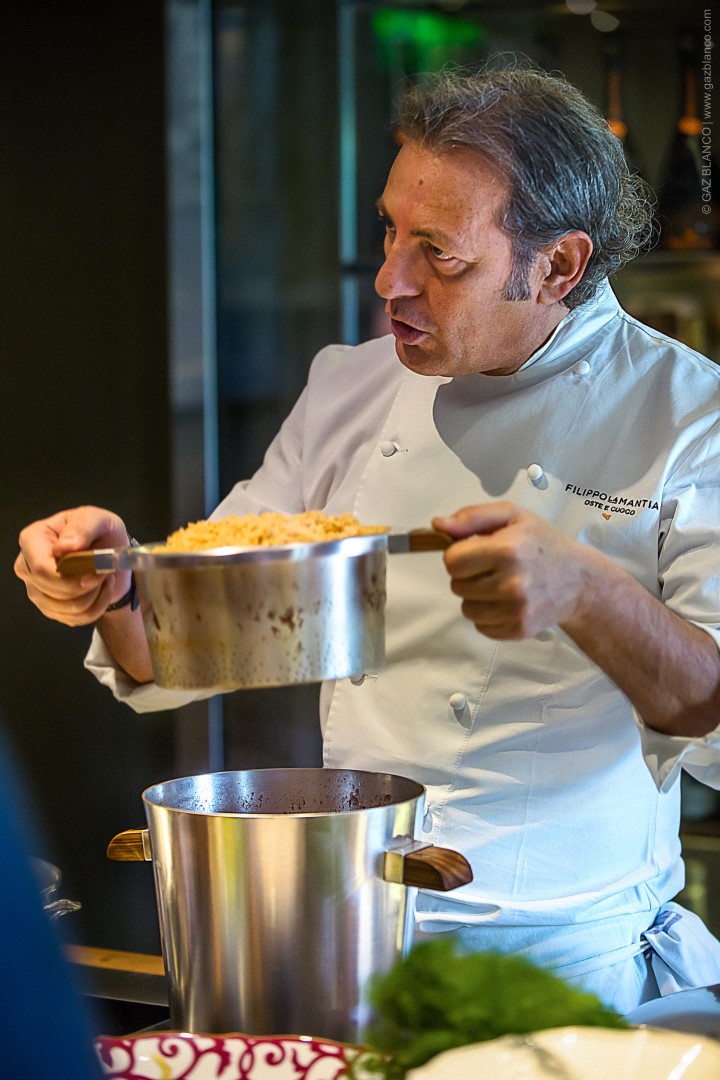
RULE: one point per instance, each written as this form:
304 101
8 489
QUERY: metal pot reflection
48 878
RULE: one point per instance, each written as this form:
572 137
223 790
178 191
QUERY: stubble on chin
418 360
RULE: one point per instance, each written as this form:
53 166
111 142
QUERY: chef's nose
398 275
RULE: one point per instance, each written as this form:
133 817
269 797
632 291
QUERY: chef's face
447 265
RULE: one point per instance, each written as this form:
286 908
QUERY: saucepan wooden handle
98 561
416 540
426 866
132 845
428 540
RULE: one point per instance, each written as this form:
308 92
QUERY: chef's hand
516 574
70 600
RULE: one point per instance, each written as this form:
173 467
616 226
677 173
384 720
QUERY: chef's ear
563 264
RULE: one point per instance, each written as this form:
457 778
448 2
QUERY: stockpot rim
418 791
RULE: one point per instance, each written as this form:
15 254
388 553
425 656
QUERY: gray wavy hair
565 168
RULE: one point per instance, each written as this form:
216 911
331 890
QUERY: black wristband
131 596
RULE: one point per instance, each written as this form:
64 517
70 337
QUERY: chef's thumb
70 540
83 527
480 520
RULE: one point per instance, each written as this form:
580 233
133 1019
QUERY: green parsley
435 999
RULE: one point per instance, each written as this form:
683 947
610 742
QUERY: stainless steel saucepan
240 617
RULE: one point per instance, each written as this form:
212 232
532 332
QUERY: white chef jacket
536 767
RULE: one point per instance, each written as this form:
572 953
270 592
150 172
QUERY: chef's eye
439 254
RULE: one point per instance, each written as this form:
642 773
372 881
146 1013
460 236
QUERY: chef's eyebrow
434 235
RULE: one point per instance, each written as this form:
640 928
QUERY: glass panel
185 291
276 140
277 210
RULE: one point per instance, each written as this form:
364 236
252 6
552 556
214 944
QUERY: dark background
85 409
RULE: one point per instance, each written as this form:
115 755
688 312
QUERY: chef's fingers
36 547
489 587
71 530
500 621
494 602
87 527
75 591
82 605
82 612
480 556
480 520
70 600
44 578
92 527
42 542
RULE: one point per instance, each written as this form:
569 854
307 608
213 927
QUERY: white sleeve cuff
666 754
142 697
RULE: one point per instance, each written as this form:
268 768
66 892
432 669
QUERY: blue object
44 1024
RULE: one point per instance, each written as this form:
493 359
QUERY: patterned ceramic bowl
179 1056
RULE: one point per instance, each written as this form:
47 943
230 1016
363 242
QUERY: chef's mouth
408 335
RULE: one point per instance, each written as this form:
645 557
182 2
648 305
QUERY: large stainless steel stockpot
233 618
281 892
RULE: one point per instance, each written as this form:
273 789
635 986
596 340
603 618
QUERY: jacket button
387 449
535 473
581 368
458 702
357 680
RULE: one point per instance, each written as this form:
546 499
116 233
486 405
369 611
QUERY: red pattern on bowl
180 1056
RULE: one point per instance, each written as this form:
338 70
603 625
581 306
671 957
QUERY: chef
549 692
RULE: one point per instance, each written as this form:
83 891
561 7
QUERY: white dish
580 1053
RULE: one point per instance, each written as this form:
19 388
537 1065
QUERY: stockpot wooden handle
132 845
426 866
